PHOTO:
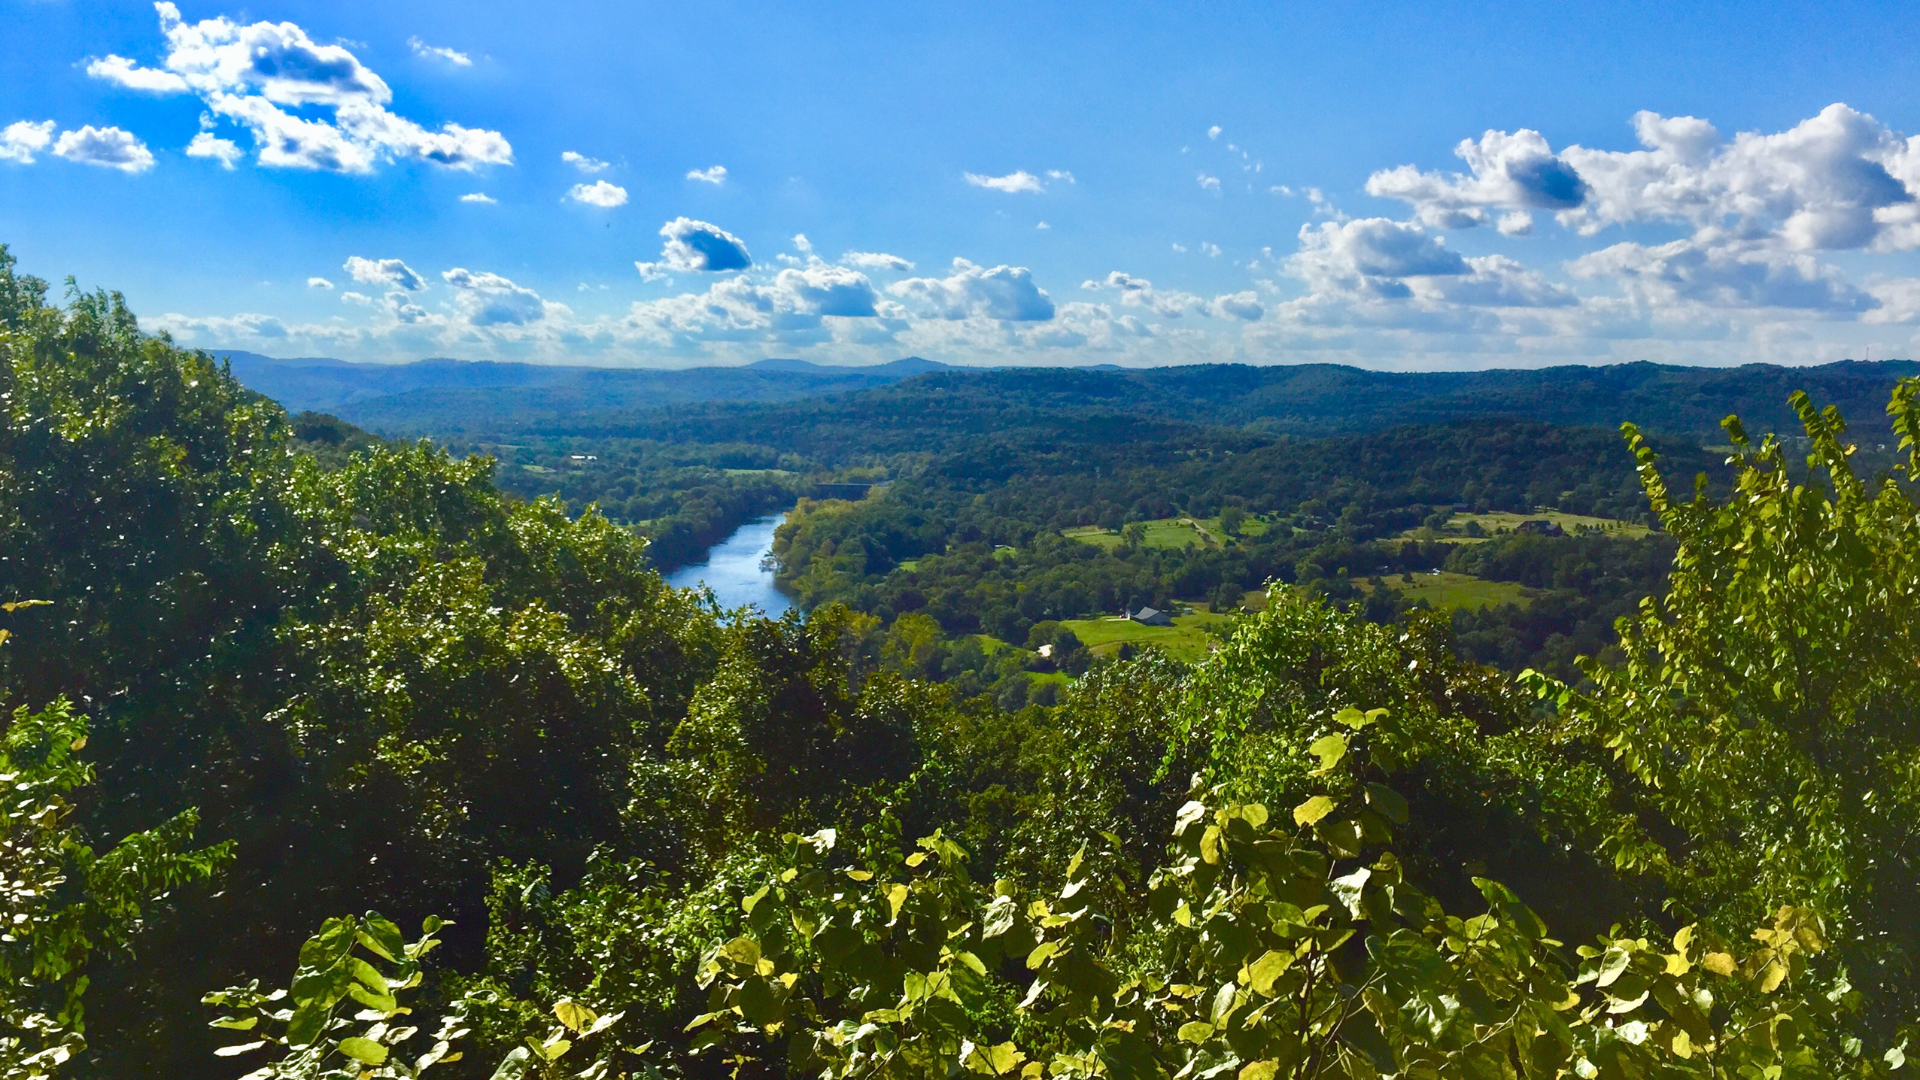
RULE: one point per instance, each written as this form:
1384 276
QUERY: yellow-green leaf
363 1050
1311 811
573 1014
1330 749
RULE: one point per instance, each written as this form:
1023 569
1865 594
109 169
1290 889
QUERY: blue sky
1407 187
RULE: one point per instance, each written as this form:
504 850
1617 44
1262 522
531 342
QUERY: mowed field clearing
1448 591
1186 639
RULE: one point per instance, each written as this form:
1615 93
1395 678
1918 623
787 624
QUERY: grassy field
1446 590
1185 640
1504 521
1169 533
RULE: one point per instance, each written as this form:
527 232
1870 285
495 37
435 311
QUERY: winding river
735 572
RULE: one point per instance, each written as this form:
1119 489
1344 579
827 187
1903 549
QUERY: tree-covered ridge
676 844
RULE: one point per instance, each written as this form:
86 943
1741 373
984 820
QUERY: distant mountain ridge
372 391
453 397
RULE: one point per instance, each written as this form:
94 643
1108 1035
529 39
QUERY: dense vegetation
267 690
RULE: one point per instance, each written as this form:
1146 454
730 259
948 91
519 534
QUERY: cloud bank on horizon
1757 244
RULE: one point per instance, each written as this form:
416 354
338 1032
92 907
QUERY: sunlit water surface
734 569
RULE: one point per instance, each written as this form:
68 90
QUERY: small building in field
1147 616
1539 527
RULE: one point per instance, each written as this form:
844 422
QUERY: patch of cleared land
1172 533
1185 640
1500 521
1447 591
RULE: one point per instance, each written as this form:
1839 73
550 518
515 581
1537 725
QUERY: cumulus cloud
491 300
1012 183
391 273
599 193
110 148
716 175
478 197
319 283
1241 305
129 74
1213 132
1518 172
253 75
1139 292
1371 256
798 306
1209 183
697 247
1837 181
20 140
439 52
207 145
1736 276
874 260
584 163
1007 293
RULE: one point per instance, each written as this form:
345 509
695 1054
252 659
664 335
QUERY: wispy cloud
584 163
1013 182
716 175
439 52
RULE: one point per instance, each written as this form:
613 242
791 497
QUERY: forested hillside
274 709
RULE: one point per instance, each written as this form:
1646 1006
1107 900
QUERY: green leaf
1330 749
1259 1070
1196 1031
363 1050
241 1048
307 1023
1388 802
573 1014
514 1065
1311 811
1269 967
382 938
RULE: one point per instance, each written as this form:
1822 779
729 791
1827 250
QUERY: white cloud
208 145
110 148
584 163
1837 181
478 197
351 297
1139 292
1241 305
599 193
698 247
799 306
1061 174
1043 225
1007 293
491 300
439 52
1012 183
319 283
253 74
129 74
20 140
1727 275
1213 132
1210 183
1370 256
872 260
1210 250
388 272
1517 172
716 175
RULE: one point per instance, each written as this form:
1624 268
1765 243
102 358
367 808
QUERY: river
734 569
